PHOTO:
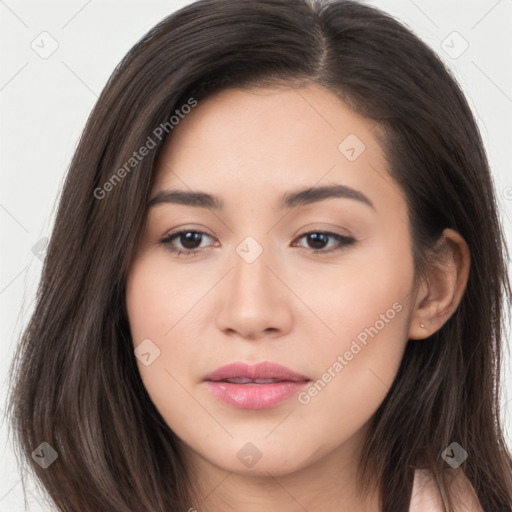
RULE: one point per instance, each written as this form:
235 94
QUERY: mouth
245 380
260 386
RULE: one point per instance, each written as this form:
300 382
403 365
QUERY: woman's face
256 292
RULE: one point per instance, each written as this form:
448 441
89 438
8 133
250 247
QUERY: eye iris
318 240
189 239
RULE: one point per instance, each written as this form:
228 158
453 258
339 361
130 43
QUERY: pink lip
248 393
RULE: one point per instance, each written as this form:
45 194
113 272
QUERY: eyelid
194 228
323 227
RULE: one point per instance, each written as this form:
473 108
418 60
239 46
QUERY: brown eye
188 241
317 241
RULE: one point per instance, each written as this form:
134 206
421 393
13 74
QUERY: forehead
265 141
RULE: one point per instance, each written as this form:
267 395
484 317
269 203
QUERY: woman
276 278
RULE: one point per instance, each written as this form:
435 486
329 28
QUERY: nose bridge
252 301
251 275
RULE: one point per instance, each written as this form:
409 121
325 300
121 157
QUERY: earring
422 326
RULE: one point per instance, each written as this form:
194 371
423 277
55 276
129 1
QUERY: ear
441 291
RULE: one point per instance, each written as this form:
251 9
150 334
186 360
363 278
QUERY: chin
259 459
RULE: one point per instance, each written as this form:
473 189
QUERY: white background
45 103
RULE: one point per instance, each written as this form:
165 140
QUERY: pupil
318 239
189 239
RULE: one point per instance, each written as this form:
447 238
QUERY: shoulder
426 498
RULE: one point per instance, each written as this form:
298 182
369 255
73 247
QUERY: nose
254 300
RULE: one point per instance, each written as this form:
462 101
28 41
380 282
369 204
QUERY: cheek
355 374
367 308
157 300
365 289
165 315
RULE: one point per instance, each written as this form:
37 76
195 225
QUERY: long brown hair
75 380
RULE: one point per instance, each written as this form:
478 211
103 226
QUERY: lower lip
255 396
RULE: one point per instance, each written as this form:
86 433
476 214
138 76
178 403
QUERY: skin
290 306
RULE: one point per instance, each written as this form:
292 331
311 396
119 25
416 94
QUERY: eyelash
344 241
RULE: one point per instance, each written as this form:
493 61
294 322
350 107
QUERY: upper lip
265 370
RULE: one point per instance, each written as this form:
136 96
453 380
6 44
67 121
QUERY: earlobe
419 321
419 331
442 289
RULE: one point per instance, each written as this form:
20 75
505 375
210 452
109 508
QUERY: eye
319 240
189 240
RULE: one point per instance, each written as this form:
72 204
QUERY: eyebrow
289 200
